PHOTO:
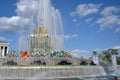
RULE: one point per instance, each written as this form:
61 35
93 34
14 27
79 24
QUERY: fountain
47 18
40 52
95 59
114 69
114 60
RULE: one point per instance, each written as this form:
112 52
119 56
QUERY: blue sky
88 24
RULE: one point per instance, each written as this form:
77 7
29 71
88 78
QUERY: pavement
37 67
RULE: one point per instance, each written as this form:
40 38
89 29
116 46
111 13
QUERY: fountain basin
30 72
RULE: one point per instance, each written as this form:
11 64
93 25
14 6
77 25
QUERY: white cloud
86 9
74 36
27 7
22 22
3 39
116 47
12 24
109 22
117 30
108 11
88 20
110 19
29 17
86 53
110 16
78 53
71 36
27 11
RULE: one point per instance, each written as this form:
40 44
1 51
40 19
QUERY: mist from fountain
116 71
114 60
96 60
42 12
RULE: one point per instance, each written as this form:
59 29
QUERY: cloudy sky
88 24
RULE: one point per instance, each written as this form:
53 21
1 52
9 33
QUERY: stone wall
49 61
26 71
49 72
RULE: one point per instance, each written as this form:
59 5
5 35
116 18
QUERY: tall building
4 47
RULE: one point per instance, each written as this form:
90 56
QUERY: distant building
4 47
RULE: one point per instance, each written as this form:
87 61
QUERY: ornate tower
40 40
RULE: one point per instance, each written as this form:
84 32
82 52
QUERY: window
5 51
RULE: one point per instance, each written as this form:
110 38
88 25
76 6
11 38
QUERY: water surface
87 78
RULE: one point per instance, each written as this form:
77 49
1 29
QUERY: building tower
4 47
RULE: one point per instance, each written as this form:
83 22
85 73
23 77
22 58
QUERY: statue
36 32
42 30
41 39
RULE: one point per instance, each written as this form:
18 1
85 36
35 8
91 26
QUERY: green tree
100 56
106 55
95 53
113 51
105 58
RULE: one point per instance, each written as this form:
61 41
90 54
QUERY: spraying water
41 12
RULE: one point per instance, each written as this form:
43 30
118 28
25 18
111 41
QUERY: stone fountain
46 21
44 35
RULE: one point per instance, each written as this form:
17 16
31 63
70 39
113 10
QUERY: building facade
4 47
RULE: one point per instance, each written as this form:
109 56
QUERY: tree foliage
95 53
105 57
